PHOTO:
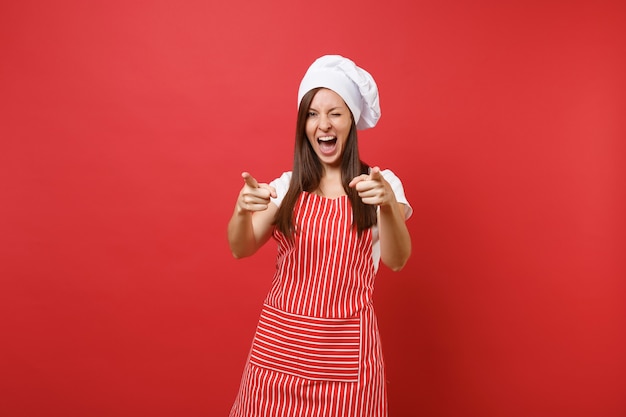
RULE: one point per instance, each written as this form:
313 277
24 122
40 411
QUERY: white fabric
281 184
355 86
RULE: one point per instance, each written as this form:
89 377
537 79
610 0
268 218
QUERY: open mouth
327 144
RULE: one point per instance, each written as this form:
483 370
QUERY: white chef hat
355 86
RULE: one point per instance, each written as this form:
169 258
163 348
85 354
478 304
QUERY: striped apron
316 350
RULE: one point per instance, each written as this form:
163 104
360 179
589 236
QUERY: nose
324 123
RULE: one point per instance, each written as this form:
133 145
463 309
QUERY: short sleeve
281 184
398 190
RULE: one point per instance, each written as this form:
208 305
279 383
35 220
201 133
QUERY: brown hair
307 173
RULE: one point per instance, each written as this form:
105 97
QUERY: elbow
398 262
236 251
398 266
240 250
239 254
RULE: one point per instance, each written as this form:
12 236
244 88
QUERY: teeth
326 138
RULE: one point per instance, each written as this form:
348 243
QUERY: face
327 126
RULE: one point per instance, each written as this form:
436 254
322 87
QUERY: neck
330 184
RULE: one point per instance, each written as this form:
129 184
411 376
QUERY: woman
316 351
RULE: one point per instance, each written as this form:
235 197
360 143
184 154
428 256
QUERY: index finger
249 180
375 173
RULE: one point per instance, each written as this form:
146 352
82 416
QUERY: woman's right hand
247 233
254 196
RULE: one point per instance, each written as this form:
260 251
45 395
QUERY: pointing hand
373 188
254 196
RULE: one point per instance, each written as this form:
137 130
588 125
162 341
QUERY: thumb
357 180
269 188
249 180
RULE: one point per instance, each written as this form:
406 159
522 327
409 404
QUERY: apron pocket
307 347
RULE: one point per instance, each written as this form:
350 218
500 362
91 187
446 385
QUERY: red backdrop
125 126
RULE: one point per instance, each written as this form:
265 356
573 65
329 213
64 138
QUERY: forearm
395 241
249 230
241 234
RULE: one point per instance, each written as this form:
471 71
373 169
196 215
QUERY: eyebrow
333 109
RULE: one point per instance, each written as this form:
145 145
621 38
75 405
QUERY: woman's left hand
373 188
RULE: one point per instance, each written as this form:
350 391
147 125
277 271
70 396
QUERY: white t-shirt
281 184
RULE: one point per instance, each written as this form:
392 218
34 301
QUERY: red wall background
124 128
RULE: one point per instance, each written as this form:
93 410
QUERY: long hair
307 174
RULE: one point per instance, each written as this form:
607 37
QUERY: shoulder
281 184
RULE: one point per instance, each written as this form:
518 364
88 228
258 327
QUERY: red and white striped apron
316 351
